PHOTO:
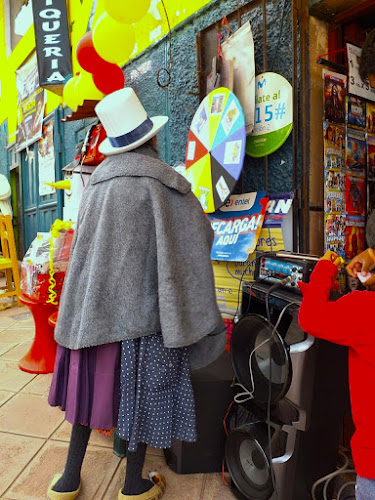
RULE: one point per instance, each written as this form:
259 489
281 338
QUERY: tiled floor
34 437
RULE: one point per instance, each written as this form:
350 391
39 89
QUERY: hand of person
362 263
334 258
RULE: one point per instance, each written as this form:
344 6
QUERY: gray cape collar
141 162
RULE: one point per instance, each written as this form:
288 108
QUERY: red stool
42 354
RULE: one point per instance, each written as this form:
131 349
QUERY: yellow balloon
113 41
69 95
85 88
127 12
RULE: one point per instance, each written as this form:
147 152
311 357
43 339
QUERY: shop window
19 18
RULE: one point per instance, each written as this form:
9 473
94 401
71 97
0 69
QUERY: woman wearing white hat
138 309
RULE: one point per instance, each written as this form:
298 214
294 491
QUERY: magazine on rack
335 234
334 96
356 111
354 236
356 151
355 195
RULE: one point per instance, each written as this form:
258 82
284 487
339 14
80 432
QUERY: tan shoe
56 495
156 492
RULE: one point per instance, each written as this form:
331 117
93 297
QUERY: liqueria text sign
52 43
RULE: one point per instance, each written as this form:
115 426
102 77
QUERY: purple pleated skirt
86 385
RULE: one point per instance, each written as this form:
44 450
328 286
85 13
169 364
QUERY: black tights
134 483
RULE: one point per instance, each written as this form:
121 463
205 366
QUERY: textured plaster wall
318 45
179 105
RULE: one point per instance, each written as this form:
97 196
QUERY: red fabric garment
347 321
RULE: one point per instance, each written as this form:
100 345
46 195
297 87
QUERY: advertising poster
356 111
370 117
46 160
334 96
276 234
335 234
355 237
237 226
371 157
355 84
356 151
273 115
355 195
31 104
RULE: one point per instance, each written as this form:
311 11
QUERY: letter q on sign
50 14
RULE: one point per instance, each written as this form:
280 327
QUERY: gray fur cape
140 262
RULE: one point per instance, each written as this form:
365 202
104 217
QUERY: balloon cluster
102 51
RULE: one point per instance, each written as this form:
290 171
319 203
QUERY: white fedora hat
126 122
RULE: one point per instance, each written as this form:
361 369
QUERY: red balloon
87 56
109 78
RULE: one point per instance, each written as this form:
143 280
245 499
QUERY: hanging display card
355 84
46 160
356 111
356 151
239 49
334 96
273 115
237 226
370 117
355 237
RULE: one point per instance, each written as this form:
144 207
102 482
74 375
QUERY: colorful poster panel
356 111
215 148
356 151
335 234
355 195
334 96
370 117
371 157
354 237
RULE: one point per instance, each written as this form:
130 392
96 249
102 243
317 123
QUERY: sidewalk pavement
34 437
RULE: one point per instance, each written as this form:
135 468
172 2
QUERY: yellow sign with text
229 276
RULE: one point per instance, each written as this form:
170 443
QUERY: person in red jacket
348 321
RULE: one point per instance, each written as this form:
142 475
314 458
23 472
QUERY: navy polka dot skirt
157 400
